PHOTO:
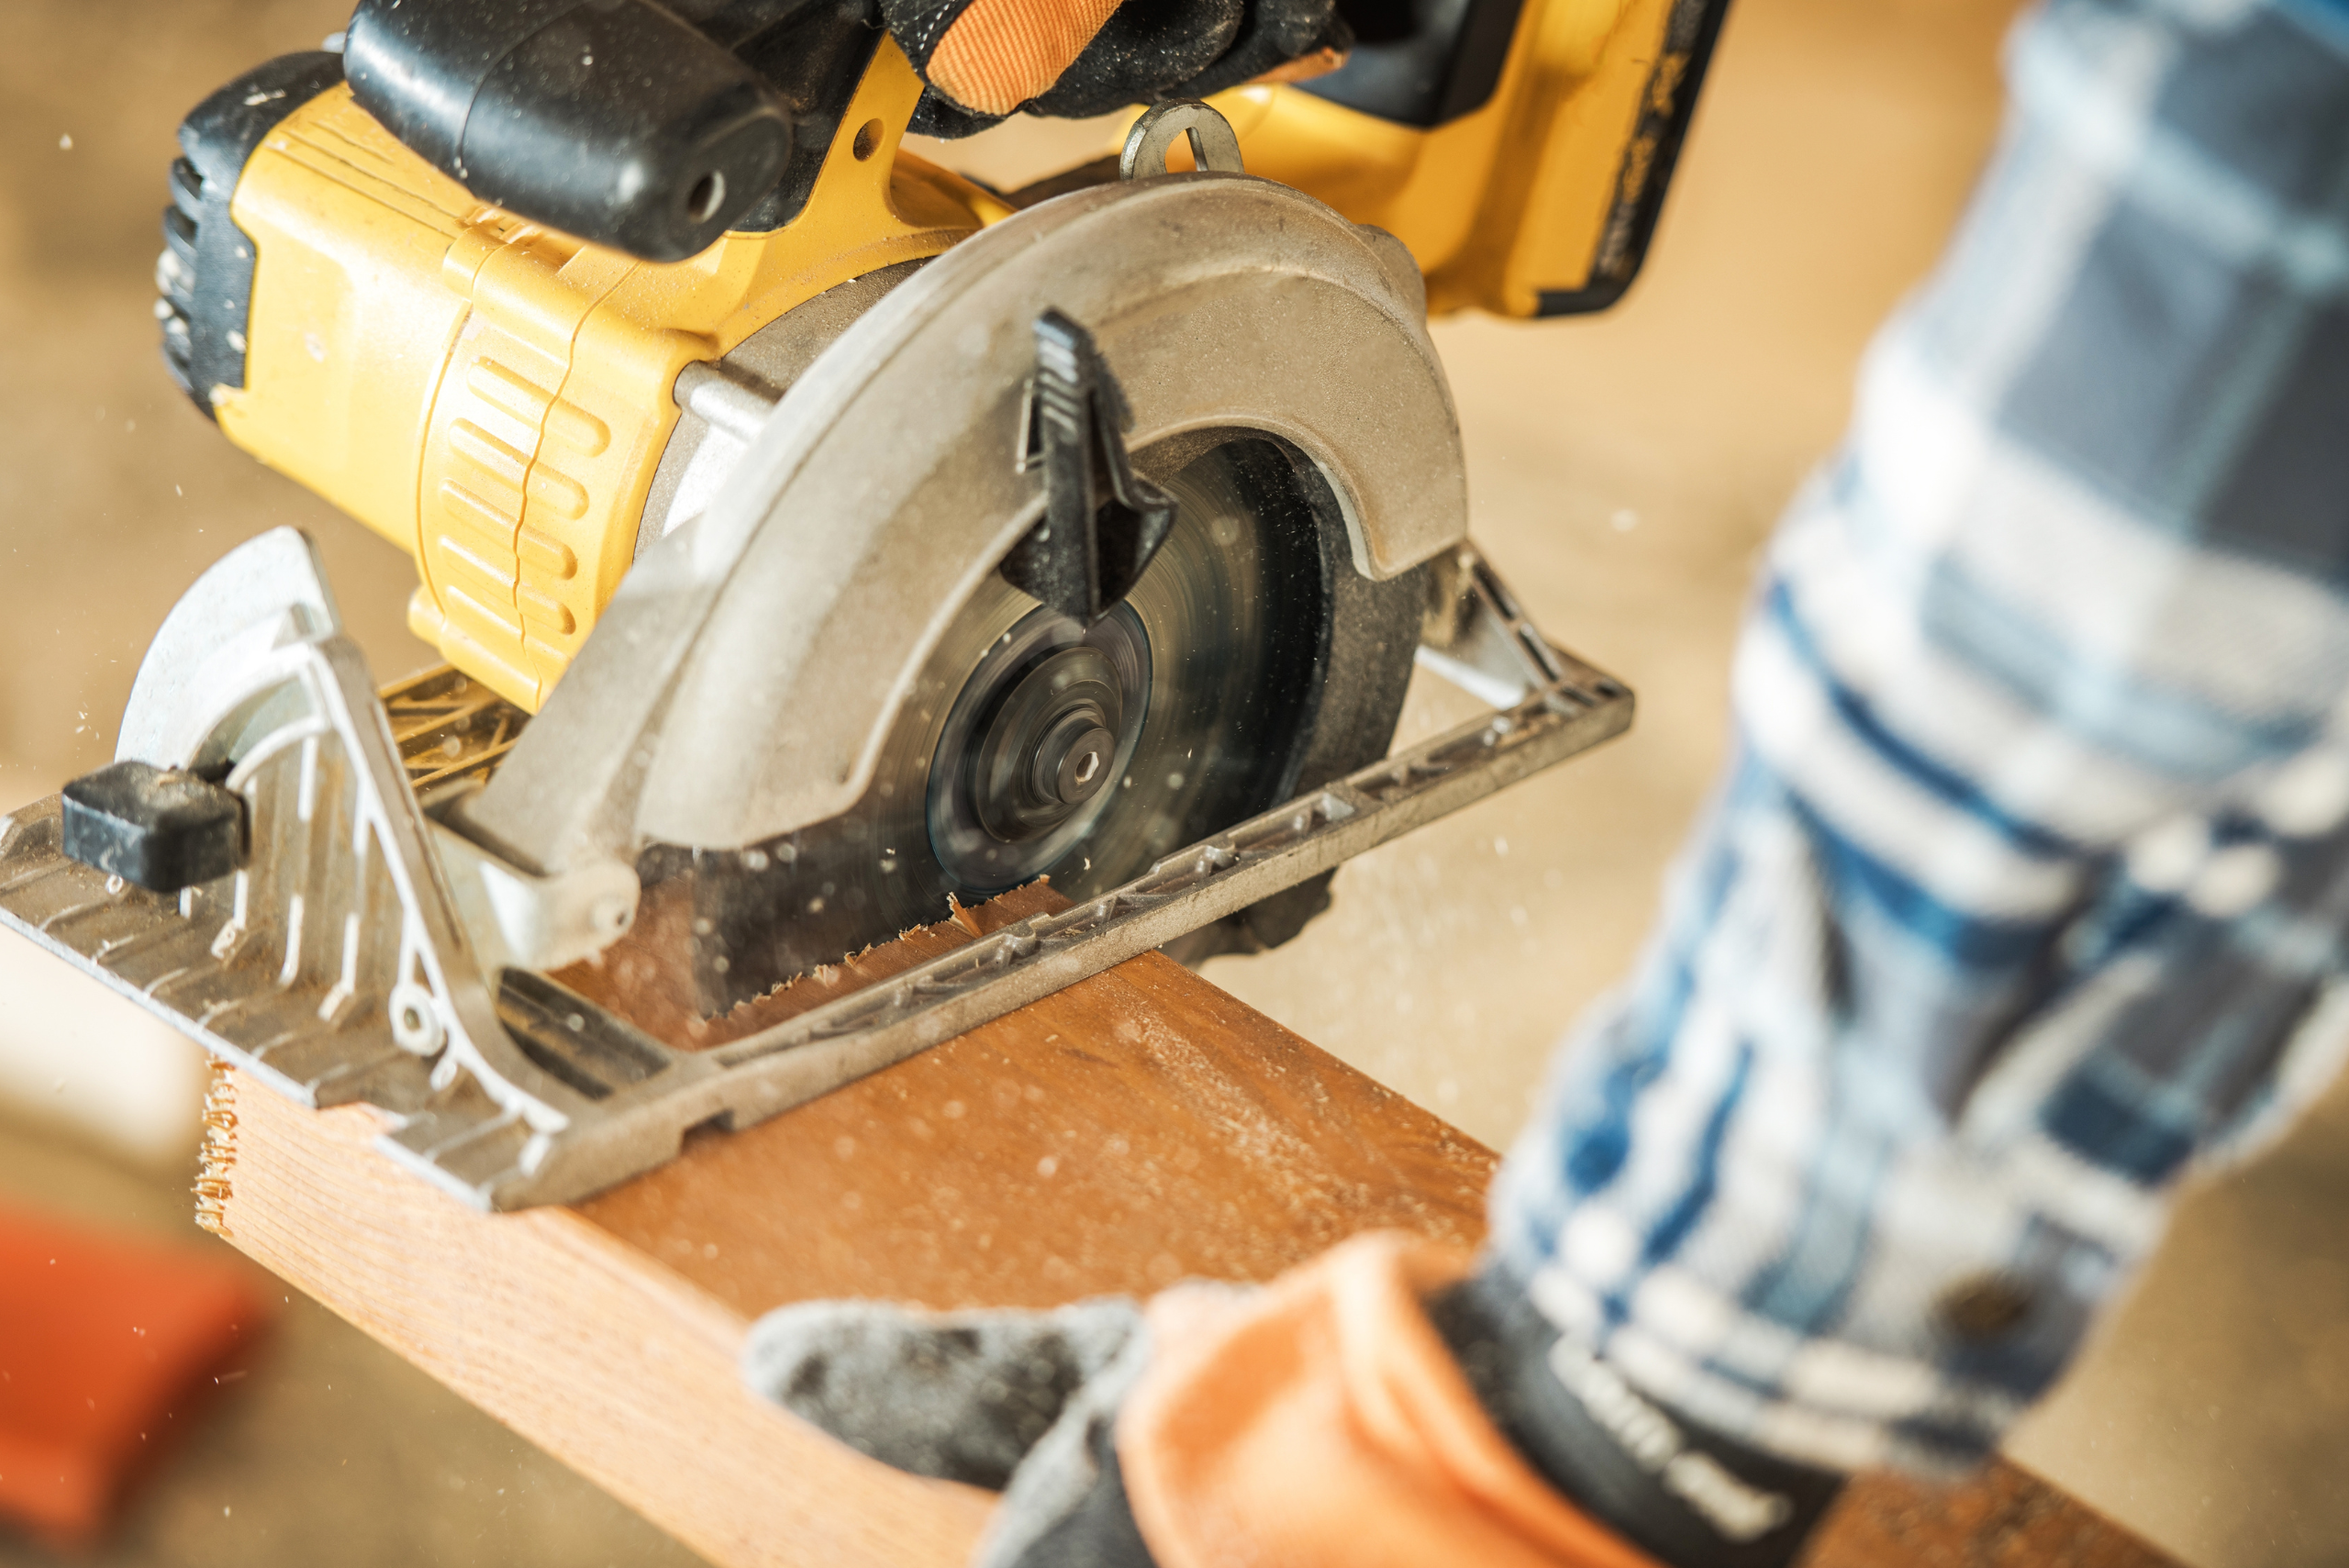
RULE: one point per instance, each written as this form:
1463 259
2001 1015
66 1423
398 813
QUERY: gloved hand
1022 1403
1372 1409
986 59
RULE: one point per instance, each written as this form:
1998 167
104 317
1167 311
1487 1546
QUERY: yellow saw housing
1540 202
494 396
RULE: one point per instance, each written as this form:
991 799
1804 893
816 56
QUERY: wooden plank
2003 1517
1133 1129
612 1362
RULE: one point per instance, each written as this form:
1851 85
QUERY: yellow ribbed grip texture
493 397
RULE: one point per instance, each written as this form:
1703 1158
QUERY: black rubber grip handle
613 120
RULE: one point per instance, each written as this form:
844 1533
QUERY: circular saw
820 543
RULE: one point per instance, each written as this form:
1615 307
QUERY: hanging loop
1213 145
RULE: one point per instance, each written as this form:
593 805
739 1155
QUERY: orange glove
1322 1421
991 56
986 59
1351 1413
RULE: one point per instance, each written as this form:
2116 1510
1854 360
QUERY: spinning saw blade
1034 745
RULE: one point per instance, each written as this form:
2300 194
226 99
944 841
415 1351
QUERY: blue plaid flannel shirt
2026 892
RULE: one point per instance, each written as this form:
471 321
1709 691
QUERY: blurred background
1624 471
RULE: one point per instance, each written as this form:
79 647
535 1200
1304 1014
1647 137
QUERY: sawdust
218 1154
646 977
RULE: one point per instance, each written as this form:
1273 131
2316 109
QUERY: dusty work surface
1137 1128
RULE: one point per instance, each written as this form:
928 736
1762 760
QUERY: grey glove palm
1018 1402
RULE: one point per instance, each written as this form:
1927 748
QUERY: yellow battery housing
1541 201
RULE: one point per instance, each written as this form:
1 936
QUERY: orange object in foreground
107 1343
1321 1421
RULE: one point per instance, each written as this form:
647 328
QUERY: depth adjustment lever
1103 522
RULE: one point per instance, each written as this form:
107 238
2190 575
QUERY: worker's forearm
2028 886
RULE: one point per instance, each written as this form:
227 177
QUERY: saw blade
1034 746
